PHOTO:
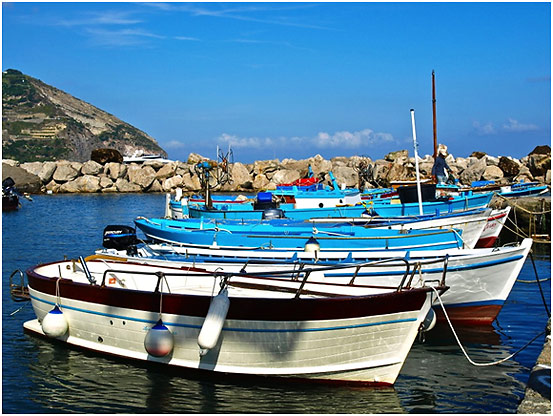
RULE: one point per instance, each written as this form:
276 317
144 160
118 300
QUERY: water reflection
438 378
68 380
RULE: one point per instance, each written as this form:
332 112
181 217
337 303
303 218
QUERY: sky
292 80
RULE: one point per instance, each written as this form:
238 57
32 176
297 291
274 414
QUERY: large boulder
91 168
106 155
477 155
400 156
285 176
47 171
171 183
541 150
474 171
524 175
115 170
539 163
319 166
509 166
260 182
143 176
191 182
194 158
65 172
32 167
492 173
83 184
345 175
124 185
241 176
166 171
24 181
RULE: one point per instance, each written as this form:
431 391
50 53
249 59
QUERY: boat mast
434 116
415 146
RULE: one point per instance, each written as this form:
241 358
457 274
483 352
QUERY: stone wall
71 177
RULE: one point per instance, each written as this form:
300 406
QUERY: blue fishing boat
293 236
379 207
394 208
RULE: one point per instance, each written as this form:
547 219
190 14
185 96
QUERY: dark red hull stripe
240 308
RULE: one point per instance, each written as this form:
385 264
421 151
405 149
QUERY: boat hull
361 339
290 237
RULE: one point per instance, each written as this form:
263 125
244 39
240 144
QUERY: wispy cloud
95 19
174 144
120 37
185 38
484 129
267 42
510 126
323 140
515 126
244 12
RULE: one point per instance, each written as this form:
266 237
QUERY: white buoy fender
429 321
159 340
312 245
54 323
214 321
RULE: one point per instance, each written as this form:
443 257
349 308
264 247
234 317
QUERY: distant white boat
141 157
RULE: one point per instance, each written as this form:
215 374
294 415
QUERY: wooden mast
434 116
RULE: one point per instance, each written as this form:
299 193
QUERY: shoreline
155 176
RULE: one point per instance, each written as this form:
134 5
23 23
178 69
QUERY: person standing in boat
440 169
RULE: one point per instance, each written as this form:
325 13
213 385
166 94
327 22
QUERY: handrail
293 274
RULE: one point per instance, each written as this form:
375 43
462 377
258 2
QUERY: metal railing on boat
299 275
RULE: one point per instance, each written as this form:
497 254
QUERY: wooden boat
293 236
479 280
251 325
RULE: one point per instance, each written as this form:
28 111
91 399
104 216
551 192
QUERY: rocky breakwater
152 176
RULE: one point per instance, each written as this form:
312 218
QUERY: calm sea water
41 377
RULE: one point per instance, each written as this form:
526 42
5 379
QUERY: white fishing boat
230 323
479 280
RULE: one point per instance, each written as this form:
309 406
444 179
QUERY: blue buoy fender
159 340
54 323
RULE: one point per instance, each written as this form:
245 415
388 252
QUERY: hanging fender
214 321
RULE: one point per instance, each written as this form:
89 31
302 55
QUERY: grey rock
47 172
123 185
240 175
474 171
172 183
141 176
167 170
492 173
24 181
65 172
91 168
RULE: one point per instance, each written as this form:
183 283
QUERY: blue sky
278 80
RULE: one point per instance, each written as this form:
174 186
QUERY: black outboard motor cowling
119 237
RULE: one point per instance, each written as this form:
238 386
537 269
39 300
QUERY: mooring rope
465 352
517 206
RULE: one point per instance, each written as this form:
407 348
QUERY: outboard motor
8 183
120 237
272 213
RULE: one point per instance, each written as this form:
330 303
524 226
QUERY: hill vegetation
41 123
